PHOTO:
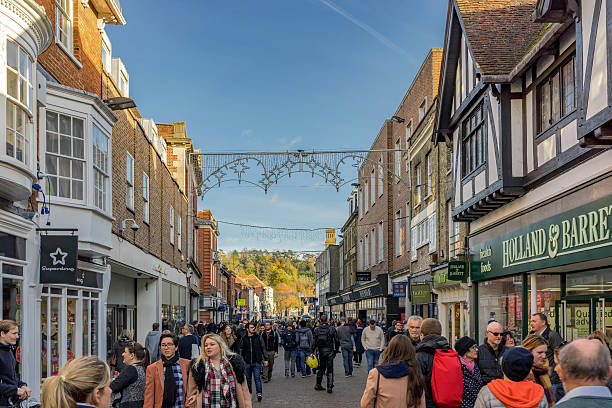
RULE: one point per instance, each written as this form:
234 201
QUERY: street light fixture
120 103
398 119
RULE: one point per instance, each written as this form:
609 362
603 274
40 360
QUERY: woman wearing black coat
467 350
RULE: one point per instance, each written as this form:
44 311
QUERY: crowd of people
409 365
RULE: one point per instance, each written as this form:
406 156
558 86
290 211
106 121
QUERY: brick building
210 266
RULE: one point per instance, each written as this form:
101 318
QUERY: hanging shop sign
399 289
457 270
577 235
363 276
58 259
420 293
241 302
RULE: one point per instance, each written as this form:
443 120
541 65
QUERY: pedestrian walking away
152 343
490 354
189 344
431 340
513 390
347 346
130 383
305 346
373 340
270 338
254 355
359 350
326 345
397 381
82 383
539 325
116 361
166 384
12 389
584 367
290 345
467 349
217 377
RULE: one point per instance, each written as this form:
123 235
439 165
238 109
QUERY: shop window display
501 300
548 292
12 296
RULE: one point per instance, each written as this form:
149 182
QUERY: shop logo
59 257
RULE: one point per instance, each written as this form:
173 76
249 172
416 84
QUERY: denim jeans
290 361
302 354
558 391
255 370
347 358
372 357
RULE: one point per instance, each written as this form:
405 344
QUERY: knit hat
463 345
517 363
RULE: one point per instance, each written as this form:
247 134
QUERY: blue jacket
9 380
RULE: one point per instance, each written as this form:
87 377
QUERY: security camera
135 227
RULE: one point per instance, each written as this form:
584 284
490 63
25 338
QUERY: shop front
363 302
555 259
453 302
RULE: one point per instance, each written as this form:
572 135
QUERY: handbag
377 384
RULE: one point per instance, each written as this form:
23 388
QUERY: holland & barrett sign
574 236
457 270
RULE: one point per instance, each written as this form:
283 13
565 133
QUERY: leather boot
330 382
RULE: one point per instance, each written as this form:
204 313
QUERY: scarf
220 385
170 391
541 377
469 364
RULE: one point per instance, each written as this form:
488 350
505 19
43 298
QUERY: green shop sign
457 270
574 236
421 293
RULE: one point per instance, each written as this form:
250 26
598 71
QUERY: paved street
299 392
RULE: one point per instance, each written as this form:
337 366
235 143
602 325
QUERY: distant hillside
291 275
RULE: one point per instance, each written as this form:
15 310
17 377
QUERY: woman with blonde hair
539 371
82 382
217 377
397 381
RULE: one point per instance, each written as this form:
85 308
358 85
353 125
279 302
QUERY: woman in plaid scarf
217 377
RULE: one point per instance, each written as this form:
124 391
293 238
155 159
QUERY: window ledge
75 61
427 196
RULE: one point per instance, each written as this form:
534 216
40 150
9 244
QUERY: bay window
65 156
19 102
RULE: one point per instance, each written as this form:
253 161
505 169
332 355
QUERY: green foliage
290 274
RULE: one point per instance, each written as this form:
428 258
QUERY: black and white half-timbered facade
526 105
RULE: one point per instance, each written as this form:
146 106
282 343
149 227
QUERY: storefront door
578 316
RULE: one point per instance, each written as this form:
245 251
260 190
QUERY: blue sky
276 75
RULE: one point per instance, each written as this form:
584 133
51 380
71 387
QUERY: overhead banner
457 270
58 260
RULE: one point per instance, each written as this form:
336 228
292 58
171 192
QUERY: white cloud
289 143
273 199
246 133
365 27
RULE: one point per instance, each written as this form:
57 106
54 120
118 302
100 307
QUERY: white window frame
145 198
408 132
380 176
58 156
398 233
429 174
22 73
101 169
373 246
365 197
129 181
417 169
398 161
372 188
361 255
380 241
179 232
413 243
360 203
171 225
408 244
108 49
67 14
422 109
432 221
367 251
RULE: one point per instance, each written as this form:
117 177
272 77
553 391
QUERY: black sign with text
58 261
363 276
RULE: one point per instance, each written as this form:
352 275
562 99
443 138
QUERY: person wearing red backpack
431 341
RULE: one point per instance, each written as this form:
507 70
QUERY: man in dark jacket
185 347
270 339
347 345
539 326
11 387
398 328
326 343
431 340
253 353
490 353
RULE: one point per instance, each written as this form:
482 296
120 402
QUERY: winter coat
118 349
185 344
270 340
504 393
9 380
285 332
554 340
252 349
154 387
489 362
231 341
152 343
358 343
388 385
305 332
197 380
332 344
472 383
425 355
345 337
131 384
392 333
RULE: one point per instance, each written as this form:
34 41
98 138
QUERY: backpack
322 337
289 339
303 341
446 379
